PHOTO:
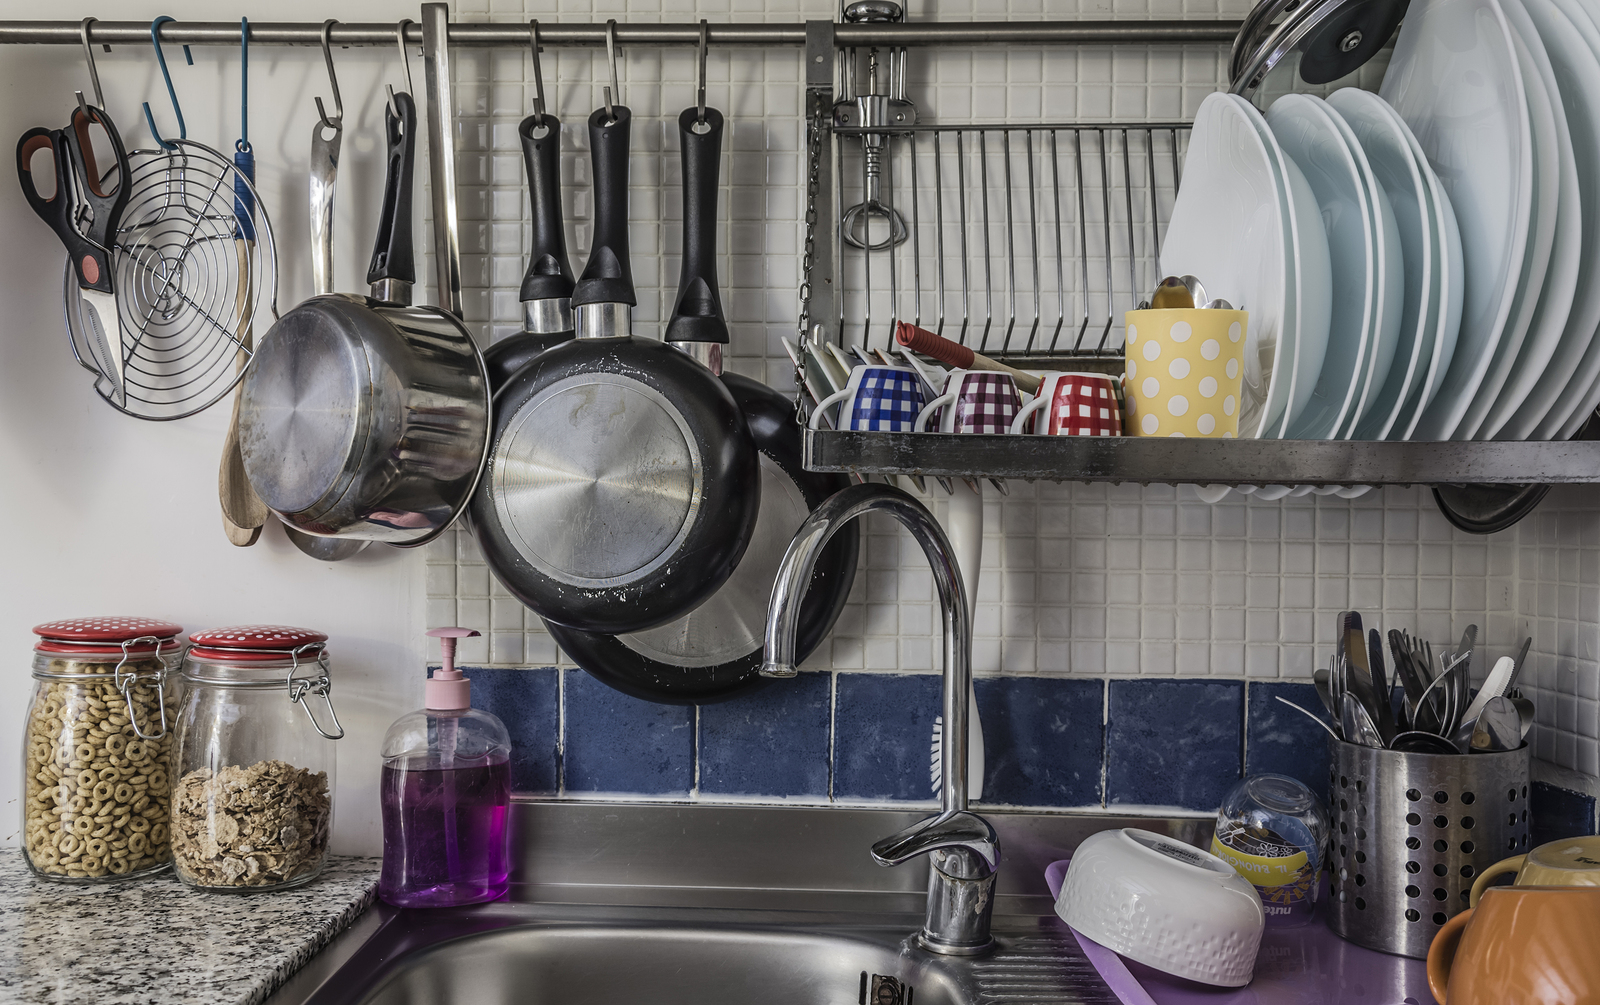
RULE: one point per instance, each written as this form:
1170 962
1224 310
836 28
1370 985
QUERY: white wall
112 515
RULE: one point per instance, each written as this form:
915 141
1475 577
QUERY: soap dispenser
446 793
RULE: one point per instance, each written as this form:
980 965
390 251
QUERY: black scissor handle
56 210
106 202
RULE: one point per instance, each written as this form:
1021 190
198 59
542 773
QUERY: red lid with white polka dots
105 636
254 643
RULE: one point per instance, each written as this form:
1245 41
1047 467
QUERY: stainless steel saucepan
365 418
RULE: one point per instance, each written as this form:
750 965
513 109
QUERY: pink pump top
447 690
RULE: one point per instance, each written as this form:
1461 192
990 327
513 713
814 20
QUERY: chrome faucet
962 847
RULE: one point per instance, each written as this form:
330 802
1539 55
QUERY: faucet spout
962 846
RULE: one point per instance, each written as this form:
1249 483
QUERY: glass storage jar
252 799
97 754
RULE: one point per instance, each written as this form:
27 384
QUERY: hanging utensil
714 652
243 512
546 293
365 418
622 484
326 137
85 214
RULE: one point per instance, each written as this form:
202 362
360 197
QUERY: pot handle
393 257
608 276
1500 868
1443 953
697 314
549 275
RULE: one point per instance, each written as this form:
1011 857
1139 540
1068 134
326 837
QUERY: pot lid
254 643
104 636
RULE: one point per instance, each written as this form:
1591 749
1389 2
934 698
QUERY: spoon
1497 728
1178 292
1358 725
1524 709
1418 741
1218 304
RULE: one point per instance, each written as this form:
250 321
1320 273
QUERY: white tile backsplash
1077 579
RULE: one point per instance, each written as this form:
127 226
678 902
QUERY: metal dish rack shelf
1032 300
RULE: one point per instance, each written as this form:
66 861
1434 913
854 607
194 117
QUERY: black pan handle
549 276
393 256
697 315
608 277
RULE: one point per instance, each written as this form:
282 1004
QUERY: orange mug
1522 945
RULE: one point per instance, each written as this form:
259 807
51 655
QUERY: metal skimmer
189 279
1023 240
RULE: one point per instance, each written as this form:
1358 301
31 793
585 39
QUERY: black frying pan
714 652
622 484
547 286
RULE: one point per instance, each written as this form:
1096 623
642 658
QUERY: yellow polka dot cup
1184 370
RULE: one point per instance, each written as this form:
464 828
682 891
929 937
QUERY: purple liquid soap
445 834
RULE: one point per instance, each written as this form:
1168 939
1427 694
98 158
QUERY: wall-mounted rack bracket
1161 460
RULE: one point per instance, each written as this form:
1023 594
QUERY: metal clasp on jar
319 685
126 681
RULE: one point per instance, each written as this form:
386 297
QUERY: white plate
1308 135
1310 301
1454 78
1228 228
1389 298
1517 368
1382 137
1572 42
1452 285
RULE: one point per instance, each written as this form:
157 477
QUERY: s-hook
244 157
538 75
405 62
94 74
614 92
337 122
172 95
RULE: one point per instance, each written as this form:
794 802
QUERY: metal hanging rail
514 35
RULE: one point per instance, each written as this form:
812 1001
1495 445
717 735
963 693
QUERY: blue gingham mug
877 398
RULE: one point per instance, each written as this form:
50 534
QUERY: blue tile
770 743
616 743
528 702
1282 740
1560 813
1042 740
882 735
1173 742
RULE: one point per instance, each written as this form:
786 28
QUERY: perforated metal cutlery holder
1411 832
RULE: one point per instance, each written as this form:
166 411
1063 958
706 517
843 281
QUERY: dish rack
1050 301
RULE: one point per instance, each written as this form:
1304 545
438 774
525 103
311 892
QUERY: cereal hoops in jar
97 760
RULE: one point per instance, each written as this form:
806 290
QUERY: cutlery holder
1411 832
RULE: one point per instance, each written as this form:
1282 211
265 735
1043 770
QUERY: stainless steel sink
673 905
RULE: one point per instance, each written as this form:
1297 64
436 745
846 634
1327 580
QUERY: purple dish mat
1306 965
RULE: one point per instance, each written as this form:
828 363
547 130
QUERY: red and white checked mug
1080 404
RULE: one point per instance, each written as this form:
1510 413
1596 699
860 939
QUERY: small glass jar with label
1274 830
252 800
97 750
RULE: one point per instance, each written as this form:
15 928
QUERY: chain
808 255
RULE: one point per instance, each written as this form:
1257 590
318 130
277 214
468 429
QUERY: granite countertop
156 940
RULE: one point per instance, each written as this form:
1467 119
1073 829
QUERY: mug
1527 945
879 398
1081 404
1573 862
1184 371
983 401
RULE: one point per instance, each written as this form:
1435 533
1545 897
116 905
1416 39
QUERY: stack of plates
1420 265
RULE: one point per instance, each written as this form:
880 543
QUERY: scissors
85 213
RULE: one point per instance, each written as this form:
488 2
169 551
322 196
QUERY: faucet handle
951 830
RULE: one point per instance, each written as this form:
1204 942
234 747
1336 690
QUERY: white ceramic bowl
1165 904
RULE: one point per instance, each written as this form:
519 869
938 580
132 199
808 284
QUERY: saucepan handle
608 276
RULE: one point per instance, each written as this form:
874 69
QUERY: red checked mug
1080 404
